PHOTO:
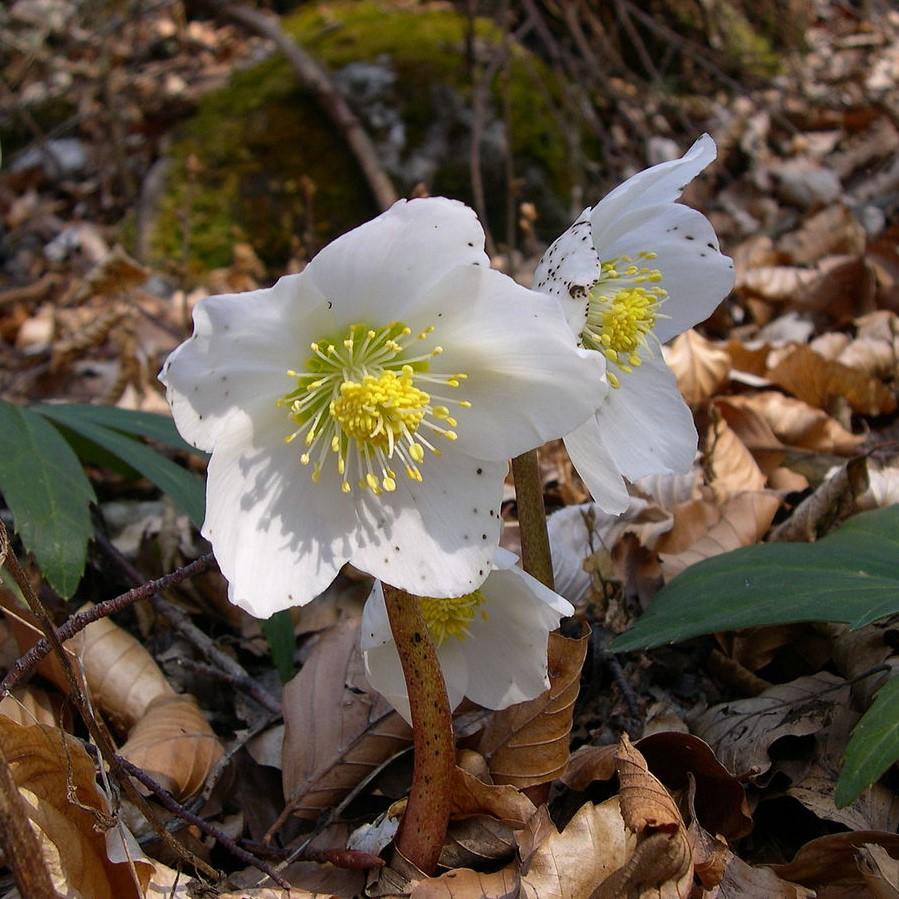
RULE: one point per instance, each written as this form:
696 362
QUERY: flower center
451 617
360 398
622 311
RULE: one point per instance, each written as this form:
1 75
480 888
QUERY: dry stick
536 557
19 842
423 828
98 734
313 76
181 622
26 663
169 802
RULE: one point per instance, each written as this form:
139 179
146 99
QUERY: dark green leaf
160 428
48 494
185 489
850 576
278 631
873 747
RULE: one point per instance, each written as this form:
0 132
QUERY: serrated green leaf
278 630
873 747
850 576
48 494
160 428
186 489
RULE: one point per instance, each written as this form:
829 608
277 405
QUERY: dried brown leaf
571 864
57 780
745 518
477 842
462 883
742 881
471 796
699 365
174 744
819 381
32 705
752 359
588 764
336 730
730 464
832 230
797 424
778 283
527 744
741 732
880 870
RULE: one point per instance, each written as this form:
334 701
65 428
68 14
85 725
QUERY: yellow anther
389 484
447 618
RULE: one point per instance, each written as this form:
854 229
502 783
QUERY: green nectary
260 161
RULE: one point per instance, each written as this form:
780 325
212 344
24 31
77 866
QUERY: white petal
375 623
695 274
646 425
384 672
279 538
587 449
662 183
435 538
239 354
568 269
377 272
571 531
506 653
527 381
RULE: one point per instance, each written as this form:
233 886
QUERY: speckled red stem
423 829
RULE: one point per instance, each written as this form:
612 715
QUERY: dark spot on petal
479 471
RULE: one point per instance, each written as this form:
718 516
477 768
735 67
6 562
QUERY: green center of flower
622 308
361 399
451 617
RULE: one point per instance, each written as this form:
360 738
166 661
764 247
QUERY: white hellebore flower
491 643
632 272
364 409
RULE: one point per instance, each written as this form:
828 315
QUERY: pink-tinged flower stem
536 558
423 829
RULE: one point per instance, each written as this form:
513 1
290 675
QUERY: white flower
364 410
633 272
491 643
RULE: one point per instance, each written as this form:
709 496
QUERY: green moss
239 168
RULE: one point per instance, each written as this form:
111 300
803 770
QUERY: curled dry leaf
336 730
572 864
471 796
699 365
797 424
731 466
880 870
741 732
745 518
57 780
175 745
527 744
819 381
742 881
478 842
462 883
32 705
122 676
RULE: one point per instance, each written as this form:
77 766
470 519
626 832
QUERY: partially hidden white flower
632 272
491 643
364 409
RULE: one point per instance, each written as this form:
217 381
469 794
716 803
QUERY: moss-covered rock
260 161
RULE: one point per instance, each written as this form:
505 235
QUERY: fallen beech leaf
567 865
645 803
527 744
477 842
57 780
588 764
741 732
699 365
692 521
175 745
832 230
471 796
32 705
831 861
749 358
778 283
731 466
797 424
742 881
872 356
754 432
818 381
462 883
830 344
745 518
122 676
880 870
336 730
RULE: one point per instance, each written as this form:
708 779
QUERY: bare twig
182 623
313 76
76 623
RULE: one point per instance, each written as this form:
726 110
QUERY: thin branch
76 623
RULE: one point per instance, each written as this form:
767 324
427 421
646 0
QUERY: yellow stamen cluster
358 399
622 309
451 617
